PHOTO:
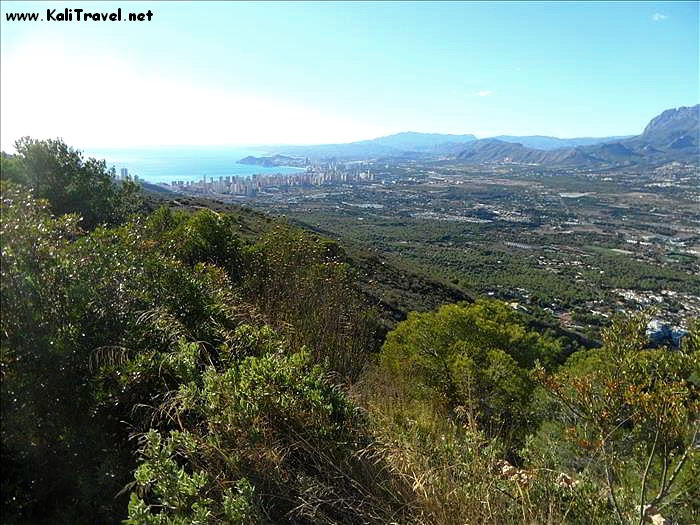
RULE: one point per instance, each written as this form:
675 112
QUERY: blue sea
165 164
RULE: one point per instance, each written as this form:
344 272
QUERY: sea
165 164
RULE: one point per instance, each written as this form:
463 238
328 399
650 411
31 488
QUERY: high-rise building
123 174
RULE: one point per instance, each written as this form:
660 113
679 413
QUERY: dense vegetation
619 239
162 367
475 258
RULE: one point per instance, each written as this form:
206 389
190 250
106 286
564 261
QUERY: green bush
626 417
270 422
81 314
140 330
70 183
473 357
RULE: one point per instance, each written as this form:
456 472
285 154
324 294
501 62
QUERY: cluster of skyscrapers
124 175
235 185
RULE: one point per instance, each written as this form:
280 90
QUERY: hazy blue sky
227 73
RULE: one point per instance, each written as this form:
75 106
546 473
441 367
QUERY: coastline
160 165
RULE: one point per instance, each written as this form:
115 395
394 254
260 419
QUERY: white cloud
484 93
49 91
658 17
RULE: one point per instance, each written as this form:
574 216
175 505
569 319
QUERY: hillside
173 360
394 290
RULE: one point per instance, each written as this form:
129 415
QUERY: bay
160 165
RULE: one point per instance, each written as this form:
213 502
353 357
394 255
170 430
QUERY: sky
217 73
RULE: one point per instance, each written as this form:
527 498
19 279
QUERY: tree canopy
70 183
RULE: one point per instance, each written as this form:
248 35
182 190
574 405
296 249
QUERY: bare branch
679 467
664 473
643 491
610 488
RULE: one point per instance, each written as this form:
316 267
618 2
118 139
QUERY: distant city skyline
217 73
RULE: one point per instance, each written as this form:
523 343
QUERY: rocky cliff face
672 135
673 124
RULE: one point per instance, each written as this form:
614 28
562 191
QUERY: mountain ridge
673 135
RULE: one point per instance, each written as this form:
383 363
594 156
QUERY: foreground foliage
123 332
477 426
70 183
162 369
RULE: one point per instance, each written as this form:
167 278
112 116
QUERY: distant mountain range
401 144
672 135
412 141
274 160
398 145
548 143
